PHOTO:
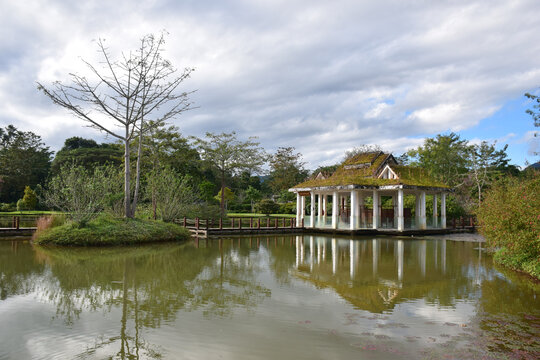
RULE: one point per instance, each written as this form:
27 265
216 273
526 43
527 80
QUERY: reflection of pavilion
371 274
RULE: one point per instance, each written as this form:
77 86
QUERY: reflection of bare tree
390 295
164 279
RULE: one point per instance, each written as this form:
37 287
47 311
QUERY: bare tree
123 96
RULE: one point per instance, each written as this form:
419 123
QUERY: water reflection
160 301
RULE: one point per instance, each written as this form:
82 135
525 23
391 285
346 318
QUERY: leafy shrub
267 207
80 192
8 207
174 194
205 211
510 221
287 208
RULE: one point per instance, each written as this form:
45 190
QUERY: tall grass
45 223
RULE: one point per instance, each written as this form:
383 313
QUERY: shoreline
466 237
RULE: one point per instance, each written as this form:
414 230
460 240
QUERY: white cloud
323 77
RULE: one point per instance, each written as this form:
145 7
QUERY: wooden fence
240 223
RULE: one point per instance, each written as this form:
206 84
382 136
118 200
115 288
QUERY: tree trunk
127 174
222 202
138 174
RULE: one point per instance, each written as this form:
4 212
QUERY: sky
321 76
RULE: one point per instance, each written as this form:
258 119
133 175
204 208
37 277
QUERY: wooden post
302 225
250 222
185 221
206 224
239 223
18 222
258 223
276 223
14 222
220 223
292 223
197 223
284 222
268 222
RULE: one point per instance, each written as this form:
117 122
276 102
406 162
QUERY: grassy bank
105 231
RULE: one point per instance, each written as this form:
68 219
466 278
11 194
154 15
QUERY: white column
312 210
324 197
354 210
335 210
443 210
302 208
375 209
319 205
423 210
400 218
298 205
362 215
435 220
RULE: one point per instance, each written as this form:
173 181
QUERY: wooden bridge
249 225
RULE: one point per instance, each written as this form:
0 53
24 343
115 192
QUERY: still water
291 297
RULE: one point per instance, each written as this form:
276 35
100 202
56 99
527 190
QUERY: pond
302 297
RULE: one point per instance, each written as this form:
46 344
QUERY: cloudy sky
322 76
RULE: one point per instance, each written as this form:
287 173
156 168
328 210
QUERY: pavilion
370 181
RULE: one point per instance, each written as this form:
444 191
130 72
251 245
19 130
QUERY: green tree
87 153
24 160
253 195
207 189
164 146
535 111
122 96
29 200
445 157
286 169
228 155
486 163
225 196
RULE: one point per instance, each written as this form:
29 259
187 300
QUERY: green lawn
29 212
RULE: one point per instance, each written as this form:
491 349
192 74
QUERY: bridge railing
240 223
